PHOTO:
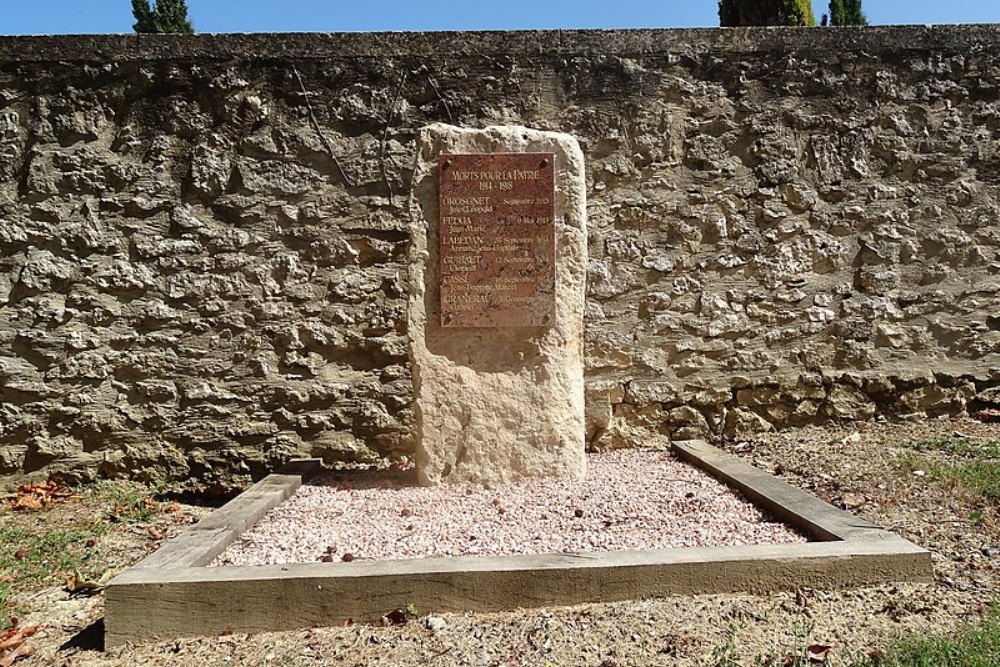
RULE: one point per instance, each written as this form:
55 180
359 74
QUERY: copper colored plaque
497 240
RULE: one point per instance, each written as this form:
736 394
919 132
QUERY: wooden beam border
173 594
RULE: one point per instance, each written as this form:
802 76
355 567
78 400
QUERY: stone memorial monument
496 298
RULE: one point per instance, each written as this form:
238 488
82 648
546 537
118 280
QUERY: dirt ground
864 467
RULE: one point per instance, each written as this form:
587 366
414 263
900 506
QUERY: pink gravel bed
630 500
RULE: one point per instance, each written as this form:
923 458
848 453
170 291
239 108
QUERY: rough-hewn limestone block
498 404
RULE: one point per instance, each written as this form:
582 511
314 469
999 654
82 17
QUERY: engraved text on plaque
497 239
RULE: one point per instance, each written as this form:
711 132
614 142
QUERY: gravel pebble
435 623
629 500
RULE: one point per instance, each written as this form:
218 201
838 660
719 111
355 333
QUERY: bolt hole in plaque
497 240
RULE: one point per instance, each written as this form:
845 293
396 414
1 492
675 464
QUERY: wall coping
645 42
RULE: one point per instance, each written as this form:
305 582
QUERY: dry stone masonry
203 240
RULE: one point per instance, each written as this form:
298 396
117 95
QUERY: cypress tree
167 16
765 12
847 12
143 16
800 12
729 13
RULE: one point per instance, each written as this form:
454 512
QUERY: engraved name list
497 239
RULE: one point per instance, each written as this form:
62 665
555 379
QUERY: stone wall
202 239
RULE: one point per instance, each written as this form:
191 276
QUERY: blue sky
23 17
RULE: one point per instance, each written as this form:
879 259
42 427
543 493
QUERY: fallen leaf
27 503
13 646
39 495
76 583
817 653
15 636
802 598
853 500
395 617
21 554
22 651
8 578
988 416
171 508
155 533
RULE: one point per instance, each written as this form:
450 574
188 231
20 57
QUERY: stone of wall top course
631 42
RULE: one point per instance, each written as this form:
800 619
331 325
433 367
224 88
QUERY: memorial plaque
497 239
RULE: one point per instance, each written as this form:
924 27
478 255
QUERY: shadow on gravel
363 480
210 499
91 638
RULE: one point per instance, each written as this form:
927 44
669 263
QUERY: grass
39 546
977 468
36 554
974 466
127 502
972 646
40 552
725 654
988 449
